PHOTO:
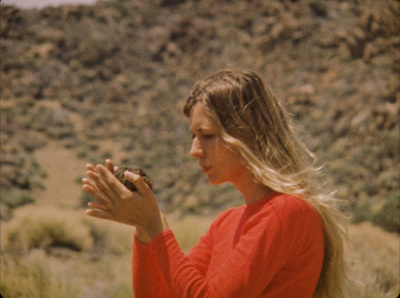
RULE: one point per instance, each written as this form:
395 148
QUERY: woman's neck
251 190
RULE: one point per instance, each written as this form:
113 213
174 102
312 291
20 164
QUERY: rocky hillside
109 80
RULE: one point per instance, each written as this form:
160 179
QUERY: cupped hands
117 203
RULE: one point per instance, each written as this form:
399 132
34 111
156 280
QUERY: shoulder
288 215
289 208
299 220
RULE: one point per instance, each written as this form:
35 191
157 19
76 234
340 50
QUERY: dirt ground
63 169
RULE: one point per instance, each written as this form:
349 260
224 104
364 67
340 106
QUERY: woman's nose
196 150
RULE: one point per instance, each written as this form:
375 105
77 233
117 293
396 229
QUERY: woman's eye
208 136
203 136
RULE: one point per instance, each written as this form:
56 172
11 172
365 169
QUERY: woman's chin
214 180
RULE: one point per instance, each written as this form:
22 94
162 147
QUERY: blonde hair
252 120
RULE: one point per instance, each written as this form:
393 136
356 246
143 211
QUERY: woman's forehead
200 120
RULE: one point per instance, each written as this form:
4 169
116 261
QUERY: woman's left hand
117 203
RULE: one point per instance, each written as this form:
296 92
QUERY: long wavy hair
253 121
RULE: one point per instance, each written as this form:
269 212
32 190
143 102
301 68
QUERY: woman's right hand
117 203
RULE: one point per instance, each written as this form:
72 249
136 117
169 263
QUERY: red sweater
273 248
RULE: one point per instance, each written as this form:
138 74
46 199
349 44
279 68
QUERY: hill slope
109 80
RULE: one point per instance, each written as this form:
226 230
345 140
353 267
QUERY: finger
101 183
99 214
112 182
91 167
98 206
110 165
95 187
98 195
90 183
138 181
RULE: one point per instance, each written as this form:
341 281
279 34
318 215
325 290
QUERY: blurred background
38 4
82 81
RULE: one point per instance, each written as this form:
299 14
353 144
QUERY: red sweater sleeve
200 254
148 280
268 242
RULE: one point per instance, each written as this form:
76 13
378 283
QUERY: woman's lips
205 168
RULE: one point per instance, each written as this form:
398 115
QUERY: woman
285 241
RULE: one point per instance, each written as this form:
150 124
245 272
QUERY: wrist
155 230
142 235
147 235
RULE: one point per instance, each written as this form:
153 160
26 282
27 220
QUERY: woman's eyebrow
200 129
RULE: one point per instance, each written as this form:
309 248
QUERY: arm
147 278
200 254
248 269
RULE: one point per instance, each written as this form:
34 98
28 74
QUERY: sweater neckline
261 202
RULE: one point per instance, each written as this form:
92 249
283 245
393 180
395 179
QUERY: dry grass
36 275
54 252
103 267
189 229
375 261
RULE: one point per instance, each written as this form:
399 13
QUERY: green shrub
362 211
15 198
47 229
31 141
388 217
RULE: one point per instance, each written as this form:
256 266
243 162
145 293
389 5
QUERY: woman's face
218 162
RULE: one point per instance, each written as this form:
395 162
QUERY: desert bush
15 198
90 149
34 276
62 253
81 152
19 170
5 212
31 141
388 217
109 237
47 229
90 47
56 123
361 211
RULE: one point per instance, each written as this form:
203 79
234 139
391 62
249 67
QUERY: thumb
137 180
